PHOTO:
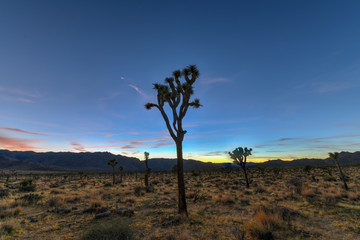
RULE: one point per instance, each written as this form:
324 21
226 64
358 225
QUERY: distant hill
88 161
344 158
7 163
97 161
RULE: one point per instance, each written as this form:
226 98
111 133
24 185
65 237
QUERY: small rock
196 223
32 219
125 212
45 215
61 210
102 215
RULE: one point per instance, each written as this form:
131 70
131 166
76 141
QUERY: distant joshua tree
335 157
148 170
177 95
239 155
121 173
113 163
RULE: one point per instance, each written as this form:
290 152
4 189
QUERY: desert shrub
308 192
56 201
195 173
107 184
56 191
118 230
353 196
260 190
4 193
224 199
96 203
150 189
330 179
295 184
130 200
139 190
9 212
27 185
154 183
31 198
7 227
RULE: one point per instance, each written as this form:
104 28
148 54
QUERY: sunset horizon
269 79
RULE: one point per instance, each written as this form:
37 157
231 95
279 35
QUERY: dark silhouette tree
113 163
177 96
335 157
121 173
239 155
147 171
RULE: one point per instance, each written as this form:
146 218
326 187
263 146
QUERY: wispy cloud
78 147
17 144
287 139
326 87
134 133
137 89
128 144
214 80
15 94
25 100
23 131
215 153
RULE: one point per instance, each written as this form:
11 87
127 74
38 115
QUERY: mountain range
97 161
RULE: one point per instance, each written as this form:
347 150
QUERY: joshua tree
121 173
239 156
335 157
147 171
113 163
177 95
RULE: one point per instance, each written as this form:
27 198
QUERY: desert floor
281 203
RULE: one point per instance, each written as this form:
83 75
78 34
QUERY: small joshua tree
239 155
121 173
177 95
147 171
335 157
113 163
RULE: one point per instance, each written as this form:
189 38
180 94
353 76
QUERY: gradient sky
282 77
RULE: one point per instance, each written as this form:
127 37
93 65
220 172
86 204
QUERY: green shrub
27 185
4 193
117 230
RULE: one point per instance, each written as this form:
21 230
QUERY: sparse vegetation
290 207
113 164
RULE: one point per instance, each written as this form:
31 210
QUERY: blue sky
281 77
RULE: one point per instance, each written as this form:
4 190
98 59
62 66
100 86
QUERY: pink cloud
78 147
22 131
17 144
134 133
25 100
110 135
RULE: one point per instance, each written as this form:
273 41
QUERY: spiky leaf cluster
239 155
112 162
177 95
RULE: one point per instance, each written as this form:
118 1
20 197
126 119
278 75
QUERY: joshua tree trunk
246 178
342 175
113 175
181 184
146 178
